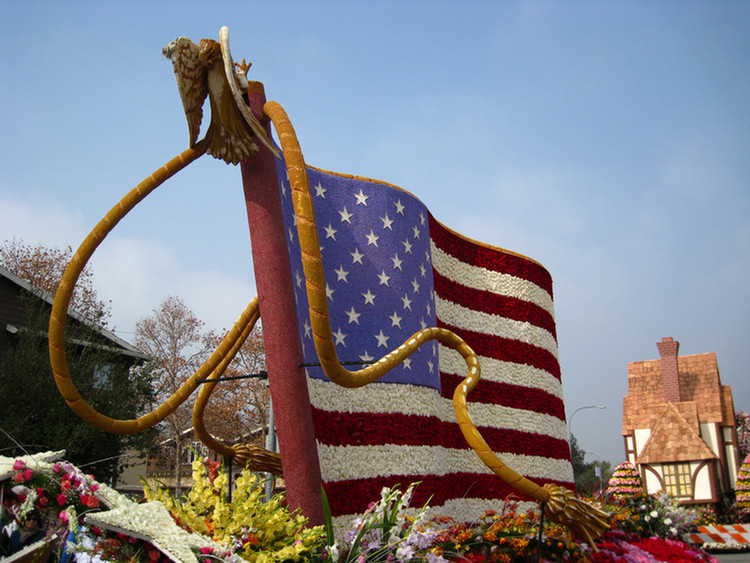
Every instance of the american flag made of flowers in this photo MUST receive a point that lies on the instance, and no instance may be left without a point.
(391, 269)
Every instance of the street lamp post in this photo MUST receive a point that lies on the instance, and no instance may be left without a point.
(598, 471)
(570, 421)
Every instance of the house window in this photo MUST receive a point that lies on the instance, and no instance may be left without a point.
(677, 480)
(102, 376)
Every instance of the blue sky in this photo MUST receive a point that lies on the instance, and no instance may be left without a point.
(609, 141)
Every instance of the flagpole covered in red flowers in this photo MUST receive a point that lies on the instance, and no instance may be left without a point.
(273, 278)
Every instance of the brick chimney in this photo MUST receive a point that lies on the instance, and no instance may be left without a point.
(668, 348)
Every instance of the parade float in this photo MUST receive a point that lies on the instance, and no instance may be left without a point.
(386, 462)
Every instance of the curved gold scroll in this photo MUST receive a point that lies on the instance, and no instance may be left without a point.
(212, 368)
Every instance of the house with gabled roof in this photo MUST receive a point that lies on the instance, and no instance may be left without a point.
(12, 318)
(679, 427)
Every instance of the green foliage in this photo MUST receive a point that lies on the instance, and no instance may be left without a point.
(586, 480)
(258, 531)
(34, 416)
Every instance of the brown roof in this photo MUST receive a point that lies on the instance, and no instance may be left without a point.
(675, 437)
(700, 385)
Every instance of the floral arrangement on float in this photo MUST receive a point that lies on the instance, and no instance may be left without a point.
(206, 524)
(742, 487)
(625, 481)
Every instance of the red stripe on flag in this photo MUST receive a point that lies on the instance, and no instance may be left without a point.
(373, 429)
(508, 350)
(344, 496)
(493, 304)
(485, 256)
(507, 395)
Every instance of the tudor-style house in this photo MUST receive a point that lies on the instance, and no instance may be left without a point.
(679, 427)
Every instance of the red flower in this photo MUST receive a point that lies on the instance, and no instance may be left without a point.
(153, 555)
(61, 499)
(40, 492)
(28, 474)
(92, 502)
(19, 464)
(65, 485)
(213, 470)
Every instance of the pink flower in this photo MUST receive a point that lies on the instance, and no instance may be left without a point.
(206, 550)
(61, 499)
(63, 516)
(94, 487)
(28, 474)
(56, 468)
(19, 464)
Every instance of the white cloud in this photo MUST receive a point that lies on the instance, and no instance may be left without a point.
(217, 299)
(133, 274)
(39, 221)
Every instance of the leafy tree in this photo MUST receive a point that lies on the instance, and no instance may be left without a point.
(239, 407)
(585, 474)
(173, 337)
(43, 267)
(176, 341)
(34, 417)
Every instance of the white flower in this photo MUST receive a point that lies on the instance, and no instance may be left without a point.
(667, 521)
(404, 552)
(654, 514)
